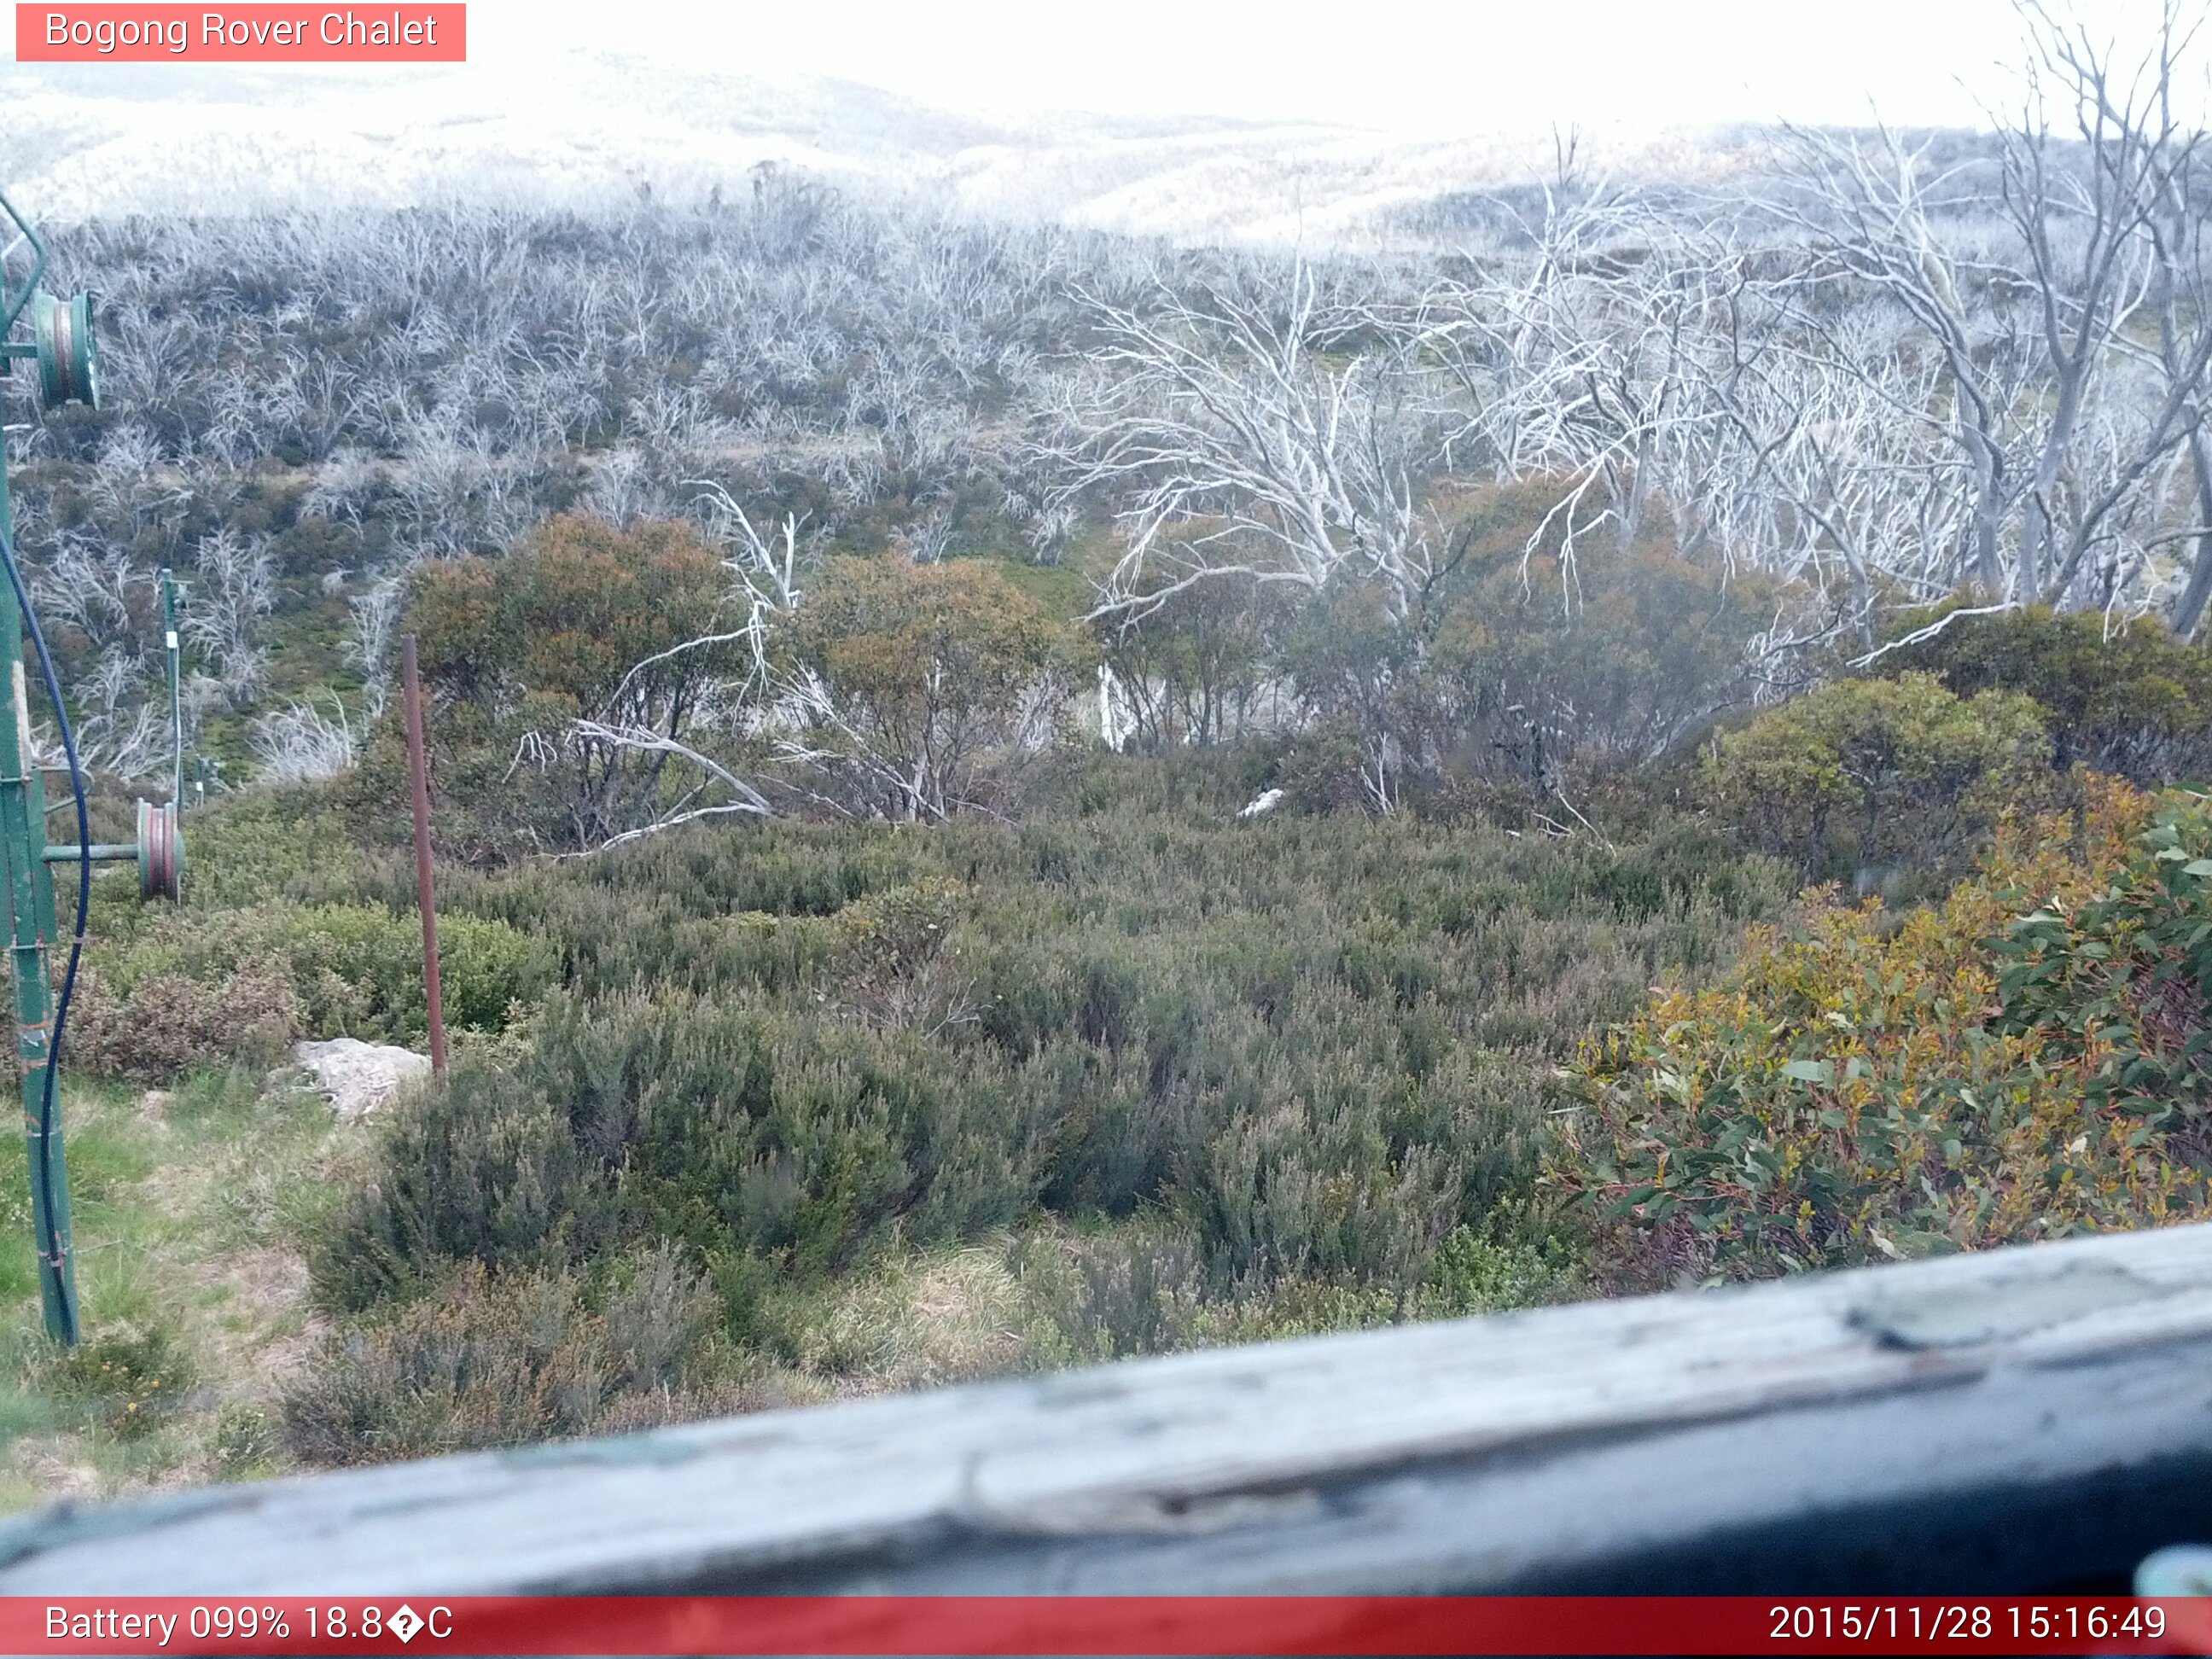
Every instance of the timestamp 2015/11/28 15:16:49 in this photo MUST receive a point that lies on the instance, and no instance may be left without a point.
(1968, 1621)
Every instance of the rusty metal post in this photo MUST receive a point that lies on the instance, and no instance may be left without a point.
(418, 777)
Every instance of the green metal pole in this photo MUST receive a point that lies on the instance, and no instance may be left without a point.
(31, 914)
(103, 852)
(176, 704)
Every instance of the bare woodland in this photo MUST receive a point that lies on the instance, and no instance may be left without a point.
(1881, 372)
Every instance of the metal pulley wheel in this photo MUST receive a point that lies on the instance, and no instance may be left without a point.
(68, 360)
(160, 852)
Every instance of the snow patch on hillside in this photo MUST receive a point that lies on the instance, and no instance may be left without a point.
(82, 139)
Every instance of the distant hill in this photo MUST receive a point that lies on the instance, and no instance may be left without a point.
(123, 138)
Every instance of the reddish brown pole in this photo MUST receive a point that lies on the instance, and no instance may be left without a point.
(418, 777)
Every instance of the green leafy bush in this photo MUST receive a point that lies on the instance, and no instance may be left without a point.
(2021, 1062)
(1477, 1271)
(482, 1168)
(1866, 779)
(184, 991)
(2128, 699)
(2118, 979)
(358, 968)
(892, 954)
(515, 649)
(935, 669)
(1197, 669)
(168, 1023)
(1521, 675)
(260, 844)
(803, 1141)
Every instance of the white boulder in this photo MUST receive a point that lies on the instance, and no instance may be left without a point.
(358, 1077)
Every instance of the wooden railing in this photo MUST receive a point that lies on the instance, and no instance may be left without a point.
(2028, 1420)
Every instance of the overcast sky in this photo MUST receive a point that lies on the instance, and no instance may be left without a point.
(1432, 66)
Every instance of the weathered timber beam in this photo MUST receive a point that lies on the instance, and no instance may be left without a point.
(2026, 1420)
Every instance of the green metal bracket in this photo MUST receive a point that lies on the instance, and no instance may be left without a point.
(68, 361)
(31, 930)
(10, 310)
(61, 340)
(31, 906)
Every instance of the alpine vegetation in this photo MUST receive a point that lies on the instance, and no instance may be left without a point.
(1008, 795)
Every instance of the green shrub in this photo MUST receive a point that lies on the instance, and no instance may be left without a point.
(1308, 1050)
(724, 1130)
(168, 1023)
(1863, 780)
(802, 1140)
(185, 990)
(482, 1168)
(1136, 1289)
(2125, 698)
(934, 669)
(2120, 979)
(1143, 1287)
(503, 1359)
(358, 968)
(1476, 1271)
(1519, 676)
(521, 645)
(260, 844)
(2021, 1062)
(890, 952)
(1197, 669)
(896, 933)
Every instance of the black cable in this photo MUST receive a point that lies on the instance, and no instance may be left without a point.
(53, 1240)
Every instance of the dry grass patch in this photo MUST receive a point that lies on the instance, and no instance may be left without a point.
(191, 1209)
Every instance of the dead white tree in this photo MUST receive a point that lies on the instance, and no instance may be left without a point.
(2033, 278)
(1270, 437)
(1865, 207)
(656, 716)
(376, 616)
(2172, 192)
(1581, 354)
(237, 588)
(301, 744)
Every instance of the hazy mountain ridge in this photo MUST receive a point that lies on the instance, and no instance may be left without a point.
(85, 139)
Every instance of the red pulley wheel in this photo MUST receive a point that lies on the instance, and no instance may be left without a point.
(160, 852)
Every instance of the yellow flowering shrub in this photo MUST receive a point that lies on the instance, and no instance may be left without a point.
(2019, 1062)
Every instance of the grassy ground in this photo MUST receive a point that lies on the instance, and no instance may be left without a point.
(192, 1207)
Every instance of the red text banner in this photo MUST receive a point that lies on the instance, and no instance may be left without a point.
(1011, 1625)
(127, 34)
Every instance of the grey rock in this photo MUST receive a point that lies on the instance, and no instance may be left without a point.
(358, 1077)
